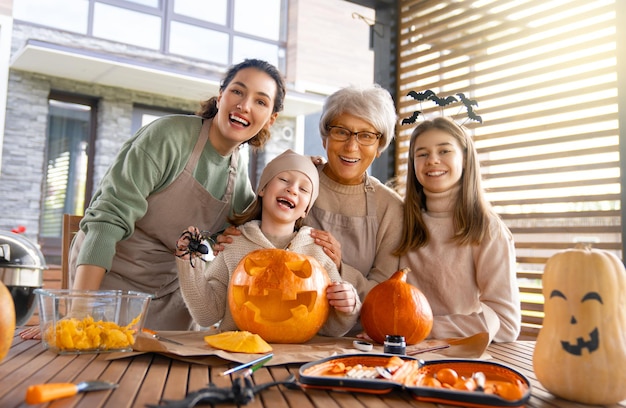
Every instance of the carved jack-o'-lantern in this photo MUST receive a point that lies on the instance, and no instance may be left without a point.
(580, 353)
(279, 295)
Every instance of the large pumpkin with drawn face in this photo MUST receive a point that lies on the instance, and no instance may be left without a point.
(279, 295)
(580, 353)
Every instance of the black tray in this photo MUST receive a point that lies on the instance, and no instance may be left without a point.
(492, 370)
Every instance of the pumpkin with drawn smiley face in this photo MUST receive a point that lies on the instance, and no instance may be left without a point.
(580, 353)
(279, 295)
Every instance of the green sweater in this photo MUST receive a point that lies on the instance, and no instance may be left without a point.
(146, 164)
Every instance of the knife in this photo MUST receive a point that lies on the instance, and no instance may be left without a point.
(36, 394)
(252, 365)
(160, 338)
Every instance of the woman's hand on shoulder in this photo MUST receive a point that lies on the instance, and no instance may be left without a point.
(225, 238)
(317, 160)
(329, 244)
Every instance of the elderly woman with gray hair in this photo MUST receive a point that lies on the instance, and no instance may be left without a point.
(357, 219)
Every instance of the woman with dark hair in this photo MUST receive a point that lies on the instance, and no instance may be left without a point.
(177, 171)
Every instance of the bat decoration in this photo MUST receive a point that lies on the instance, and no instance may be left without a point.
(411, 119)
(467, 102)
(422, 96)
(472, 115)
(442, 101)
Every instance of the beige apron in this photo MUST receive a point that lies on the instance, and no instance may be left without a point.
(145, 261)
(356, 234)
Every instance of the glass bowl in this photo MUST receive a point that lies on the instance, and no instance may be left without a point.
(84, 321)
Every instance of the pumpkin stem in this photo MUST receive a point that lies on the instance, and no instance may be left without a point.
(401, 274)
(584, 245)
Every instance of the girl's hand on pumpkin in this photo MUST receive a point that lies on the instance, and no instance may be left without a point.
(224, 238)
(364, 336)
(341, 296)
(329, 244)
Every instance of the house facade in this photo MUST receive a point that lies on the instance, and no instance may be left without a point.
(81, 76)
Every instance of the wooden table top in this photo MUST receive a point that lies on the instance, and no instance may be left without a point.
(148, 378)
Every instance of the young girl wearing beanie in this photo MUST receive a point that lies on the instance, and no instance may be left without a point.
(287, 190)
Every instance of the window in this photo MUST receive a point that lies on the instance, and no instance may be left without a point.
(71, 124)
(131, 27)
(269, 52)
(70, 15)
(545, 78)
(201, 43)
(214, 11)
(151, 3)
(142, 115)
(258, 18)
(218, 31)
(229, 31)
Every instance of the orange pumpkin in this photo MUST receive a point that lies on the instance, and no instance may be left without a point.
(398, 308)
(7, 320)
(580, 353)
(279, 295)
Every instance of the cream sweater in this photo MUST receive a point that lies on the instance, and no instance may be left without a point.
(205, 287)
(350, 201)
(470, 288)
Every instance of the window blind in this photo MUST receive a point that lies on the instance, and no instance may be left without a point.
(544, 74)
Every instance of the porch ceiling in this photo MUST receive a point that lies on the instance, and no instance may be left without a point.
(103, 69)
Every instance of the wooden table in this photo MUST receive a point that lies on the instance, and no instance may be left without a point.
(145, 379)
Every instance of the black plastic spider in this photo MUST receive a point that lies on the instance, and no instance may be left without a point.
(196, 247)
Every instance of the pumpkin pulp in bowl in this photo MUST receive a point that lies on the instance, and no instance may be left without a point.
(75, 322)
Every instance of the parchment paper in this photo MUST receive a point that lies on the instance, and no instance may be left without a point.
(196, 350)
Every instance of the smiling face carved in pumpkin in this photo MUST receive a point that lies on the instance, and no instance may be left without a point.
(584, 330)
(279, 295)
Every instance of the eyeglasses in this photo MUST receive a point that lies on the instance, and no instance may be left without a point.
(341, 134)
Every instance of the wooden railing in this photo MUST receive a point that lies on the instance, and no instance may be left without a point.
(531, 304)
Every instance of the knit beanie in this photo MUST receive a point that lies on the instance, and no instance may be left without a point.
(290, 160)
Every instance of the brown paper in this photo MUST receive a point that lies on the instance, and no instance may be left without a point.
(195, 349)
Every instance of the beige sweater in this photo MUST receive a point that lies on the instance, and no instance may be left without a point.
(350, 201)
(205, 287)
(470, 288)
